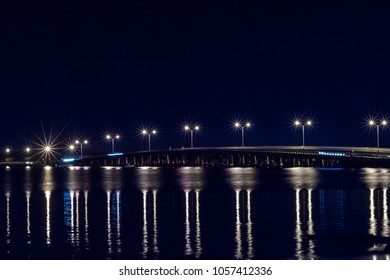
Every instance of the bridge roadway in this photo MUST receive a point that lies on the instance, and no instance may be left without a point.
(257, 156)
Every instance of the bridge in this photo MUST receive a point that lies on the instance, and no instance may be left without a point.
(255, 156)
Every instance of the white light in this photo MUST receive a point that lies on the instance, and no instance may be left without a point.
(77, 142)
(248, 124)
(47, 149)
(154, 131)
(47, 167)
(8, 150)
(117, 136)
(197, 127)
(144, 132)
(309, 122)
(187, 127)
(371, 122)
(237, 124)
(28, 150)
(85, 141)
(108, 136)
(297, 123)
(384, 122)
(71, 147)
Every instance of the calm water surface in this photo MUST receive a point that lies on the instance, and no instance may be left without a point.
(194, 213)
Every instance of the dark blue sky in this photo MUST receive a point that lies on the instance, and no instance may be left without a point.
(96, 66)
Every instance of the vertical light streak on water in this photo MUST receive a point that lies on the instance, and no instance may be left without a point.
(28, 198)
(72, 235)
(155, 228)
(77, 220)
(310, 226)
(86, 220)
(145, 226)
(388, 257)
(28, 187)
(48, 229)
(238, 251)
(8, 226)
(298, 227)
(372, 221)
(198, 238)
(249, 225)
(188, 248)
(118, 222)
(385, 221)
(109, 241)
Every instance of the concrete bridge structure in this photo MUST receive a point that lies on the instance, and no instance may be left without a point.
(257, 156)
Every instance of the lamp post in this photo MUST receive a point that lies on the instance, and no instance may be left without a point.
(112, 138)
(85, 142)
(7, 154)
(47, 152)
(145, 132)
(242, 126)
(377, 125)
(28, 152)
(303, 125)
(191, 130)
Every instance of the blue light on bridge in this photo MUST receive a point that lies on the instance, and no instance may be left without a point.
(68, 160)
(331, 154)
(29, 163)
(115, 154)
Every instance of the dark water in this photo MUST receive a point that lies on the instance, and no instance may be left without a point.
(190, 213)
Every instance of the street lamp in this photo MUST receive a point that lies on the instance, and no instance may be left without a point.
(145, 132)
(377, 124)
(303, 125)
(191, 129)
(28, 152)
(85, 142)
(242, 126)
(112, 138)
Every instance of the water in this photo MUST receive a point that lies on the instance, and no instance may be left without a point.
(194, 213)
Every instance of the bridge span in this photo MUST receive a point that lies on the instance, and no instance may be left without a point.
(256, 156)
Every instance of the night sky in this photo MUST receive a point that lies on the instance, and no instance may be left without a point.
(87, 68)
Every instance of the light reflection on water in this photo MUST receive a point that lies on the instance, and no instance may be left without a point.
(148, 181)
(324, 210)
(192, 181)
(378, 181)
(146, 248)
(8, 228)
(47, 187)
(243, 180)
(145, 239)
(86, 222)
(304, 181)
